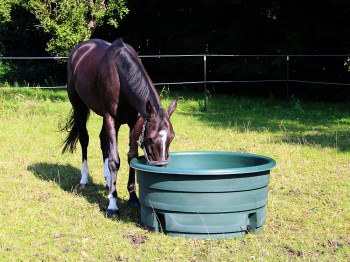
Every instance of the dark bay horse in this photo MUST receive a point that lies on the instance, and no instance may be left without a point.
(110, 80)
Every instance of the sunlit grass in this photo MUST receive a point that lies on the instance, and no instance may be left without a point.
(44, 216)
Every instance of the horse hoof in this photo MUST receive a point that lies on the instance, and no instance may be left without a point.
(133, 202)
(111, 213)
(82, 186)
(107, 188)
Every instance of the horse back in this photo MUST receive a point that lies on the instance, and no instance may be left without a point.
(87, 55)
(84, 66)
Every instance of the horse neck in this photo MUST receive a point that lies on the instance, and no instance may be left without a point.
(136, 83)
(140, 102)
(139, 94)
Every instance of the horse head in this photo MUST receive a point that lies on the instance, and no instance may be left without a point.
(157, 134)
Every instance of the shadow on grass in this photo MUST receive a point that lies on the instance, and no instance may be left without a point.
(67, 176)
(313, 124)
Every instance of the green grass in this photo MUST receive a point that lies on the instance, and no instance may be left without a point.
(44, 216)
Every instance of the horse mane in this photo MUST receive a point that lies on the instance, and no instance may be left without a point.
(132, 72)
(118, 43)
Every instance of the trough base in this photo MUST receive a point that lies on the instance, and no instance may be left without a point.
(204, 225)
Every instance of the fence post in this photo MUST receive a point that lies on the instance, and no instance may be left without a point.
(205, 83)
(287, 78)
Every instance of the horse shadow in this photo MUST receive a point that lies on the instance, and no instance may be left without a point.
(67, 176)
(291, 129)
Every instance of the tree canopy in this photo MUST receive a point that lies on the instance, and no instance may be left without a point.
(67, 22)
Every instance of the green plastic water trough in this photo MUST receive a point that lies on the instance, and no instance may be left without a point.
(204, 194)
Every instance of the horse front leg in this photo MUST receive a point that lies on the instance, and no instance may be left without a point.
(113, 165)
(84, 142)
(105, 156)
(135, 132)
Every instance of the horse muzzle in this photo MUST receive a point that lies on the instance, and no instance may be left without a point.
(161, 163)
(151, 162)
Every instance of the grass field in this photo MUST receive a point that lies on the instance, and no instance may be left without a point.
(44, 216)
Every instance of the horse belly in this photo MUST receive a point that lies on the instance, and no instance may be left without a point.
(126, 113)
(84, 84)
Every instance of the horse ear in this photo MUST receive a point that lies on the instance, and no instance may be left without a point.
(172, 107)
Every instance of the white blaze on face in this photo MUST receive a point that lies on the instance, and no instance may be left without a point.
(163, 136)
(84, 173)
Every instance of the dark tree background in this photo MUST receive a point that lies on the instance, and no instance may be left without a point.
(244, 27)
(252, 27)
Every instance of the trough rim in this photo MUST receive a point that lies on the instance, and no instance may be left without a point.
(139, 164)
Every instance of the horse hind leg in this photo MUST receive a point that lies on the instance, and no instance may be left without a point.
(84, 143)
(104, 148)
(76, 126)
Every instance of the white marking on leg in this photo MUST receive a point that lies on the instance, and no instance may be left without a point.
(84, 173)
(163, 137)
(106, 173)
(112, 205)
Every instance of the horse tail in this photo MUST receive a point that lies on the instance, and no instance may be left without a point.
(76, 123)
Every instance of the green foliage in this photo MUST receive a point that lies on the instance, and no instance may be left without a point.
(5, 9)
(4, 68)
(71, 21)
(30, 26)
(165, 92)
(68, 21)
(295, 105)
(65, 20)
